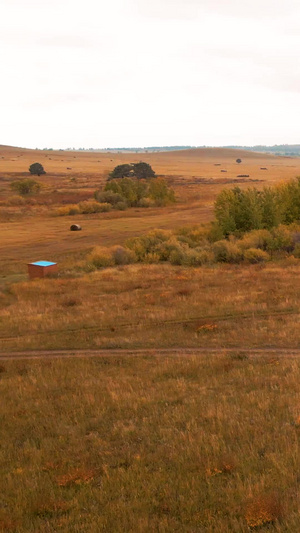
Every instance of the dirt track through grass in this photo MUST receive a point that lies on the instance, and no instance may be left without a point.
(178, 352)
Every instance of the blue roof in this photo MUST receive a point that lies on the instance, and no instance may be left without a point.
(43, 263)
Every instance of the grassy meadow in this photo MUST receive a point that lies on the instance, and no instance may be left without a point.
(142, 444)
(152, 306)
(192, 441)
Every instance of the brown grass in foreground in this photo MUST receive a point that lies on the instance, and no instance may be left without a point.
(146, 444)
(153, 306)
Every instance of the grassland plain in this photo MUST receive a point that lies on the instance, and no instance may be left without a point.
(136, 444)
(29, 230)
(141, 444)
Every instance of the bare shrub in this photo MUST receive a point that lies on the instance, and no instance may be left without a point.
(122, 256)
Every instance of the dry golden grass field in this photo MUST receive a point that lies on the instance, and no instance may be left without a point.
(201, 439)
(151, 444)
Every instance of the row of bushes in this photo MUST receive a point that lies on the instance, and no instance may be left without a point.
(192, 247)
(239, 211)
(127, 192)
(85, 208)
(121, 194)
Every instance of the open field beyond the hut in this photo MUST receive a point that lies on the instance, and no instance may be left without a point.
(201, 442)
(30, 231)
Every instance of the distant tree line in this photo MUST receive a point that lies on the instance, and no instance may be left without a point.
(277, 149)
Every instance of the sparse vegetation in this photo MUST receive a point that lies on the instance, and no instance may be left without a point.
(204, 441)
(85, 207)
(26, 187)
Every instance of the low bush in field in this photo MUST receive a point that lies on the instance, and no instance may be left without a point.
(192, 247)
(71, 209)
(255, 255)
(26, 186)
(227, 252)
(260, 238)
(105, 257)
(89, 207)
(16, 200)
(101, 257)
(122, 256)
(109, 197)
(85, 207)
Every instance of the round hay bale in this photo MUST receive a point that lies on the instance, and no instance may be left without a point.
(75, 227)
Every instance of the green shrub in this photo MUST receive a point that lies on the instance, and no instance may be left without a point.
(149, 243)
(120, 206)
(108, 197)
(146, 202)
(227, 252)
(131, 191)
(161, 193)
(296, 251)
(281, 240)
(256, 239)
(256, 255)
(101, 257)
(151, 257)
(89, 207)
(177, 256)
(193, 236)
(26, 186)
(197, 257)
(71, 209)
(165, 248)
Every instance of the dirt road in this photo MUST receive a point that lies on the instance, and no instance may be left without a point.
(179, 352)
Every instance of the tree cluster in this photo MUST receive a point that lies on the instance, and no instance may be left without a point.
(139, 170)
(129, 192)
(239, 211)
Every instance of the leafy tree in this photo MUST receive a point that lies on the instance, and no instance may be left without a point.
(37, 169)
(238, 160)
(270, 208)
(109, 197)
(160, 192)
(121, 171)
(289, 201)
(134, 170)
(143, 171)
(225, 208)
(131, 190)
(26, 186)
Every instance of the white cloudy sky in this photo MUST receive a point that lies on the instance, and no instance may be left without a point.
(95, 73)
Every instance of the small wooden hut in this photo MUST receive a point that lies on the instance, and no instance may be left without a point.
(41, 269)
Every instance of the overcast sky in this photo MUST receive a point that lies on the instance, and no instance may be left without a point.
(95, 73)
